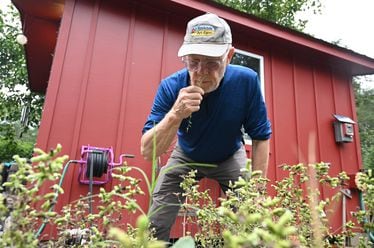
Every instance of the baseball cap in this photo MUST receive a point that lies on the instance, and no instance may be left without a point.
(207, 35)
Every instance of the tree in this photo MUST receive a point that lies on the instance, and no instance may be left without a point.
(20, 109)
(365, 115)
(282, 12)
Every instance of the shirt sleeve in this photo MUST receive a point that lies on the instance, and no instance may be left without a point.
(164, 100)
(257, 124)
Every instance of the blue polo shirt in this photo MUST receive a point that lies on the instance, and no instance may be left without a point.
(215, 133)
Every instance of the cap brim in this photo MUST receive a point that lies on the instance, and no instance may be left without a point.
(211, 50)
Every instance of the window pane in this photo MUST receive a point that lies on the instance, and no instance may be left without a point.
(248, 61)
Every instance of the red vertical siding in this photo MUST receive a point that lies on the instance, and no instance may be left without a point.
(342, 97)
(105, 72)
(109, 59)
(284, 128)
(304, 97)
(349, 155)
(307, 130)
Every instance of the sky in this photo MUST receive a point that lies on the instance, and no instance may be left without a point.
(348, 21)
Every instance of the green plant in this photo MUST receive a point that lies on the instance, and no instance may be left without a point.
(23, 195)
(20, 108)
(11, 144)
(249, 217)
(26, 210)
(246, 217)
(365, 183)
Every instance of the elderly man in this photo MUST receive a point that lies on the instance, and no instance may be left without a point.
(206, 105)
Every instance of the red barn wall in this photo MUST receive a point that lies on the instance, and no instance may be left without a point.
(110, 57)
(304, 96)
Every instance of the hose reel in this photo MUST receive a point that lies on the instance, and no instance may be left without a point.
(98, 161)
(95, 168)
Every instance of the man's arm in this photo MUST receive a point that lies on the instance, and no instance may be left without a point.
(260, 156)
(164, 133)
(188, 101)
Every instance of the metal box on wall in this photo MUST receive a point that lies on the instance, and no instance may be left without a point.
(343, 129)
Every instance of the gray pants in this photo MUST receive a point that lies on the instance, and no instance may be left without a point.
(167, 195)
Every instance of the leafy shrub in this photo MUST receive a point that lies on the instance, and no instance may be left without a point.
(246, 217)
(249, 217)
(11, 144)
(365, 183)
(20, 215)
(30, 210)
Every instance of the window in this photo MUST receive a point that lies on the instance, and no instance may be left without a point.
(256, 63)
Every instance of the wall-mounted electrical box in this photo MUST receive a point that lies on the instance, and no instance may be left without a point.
(343, 128)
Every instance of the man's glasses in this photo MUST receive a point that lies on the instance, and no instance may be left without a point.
(194, 65)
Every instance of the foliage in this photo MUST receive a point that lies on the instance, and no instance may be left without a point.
(365, 183)
(25, 209)
(22, 193)
(107, 216)
(365, 115)
(247, 217)
(282, 12)
(15, 98)
(10, 144)
(13, 73)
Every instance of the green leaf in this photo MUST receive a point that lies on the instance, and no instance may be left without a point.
(185, 242)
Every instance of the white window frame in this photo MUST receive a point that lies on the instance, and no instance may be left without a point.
(261, 73)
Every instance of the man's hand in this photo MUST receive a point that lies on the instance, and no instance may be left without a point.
(188, 101)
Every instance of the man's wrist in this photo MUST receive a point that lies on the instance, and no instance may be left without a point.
(173, 118)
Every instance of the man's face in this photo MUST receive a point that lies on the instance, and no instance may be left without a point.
(207, 72)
